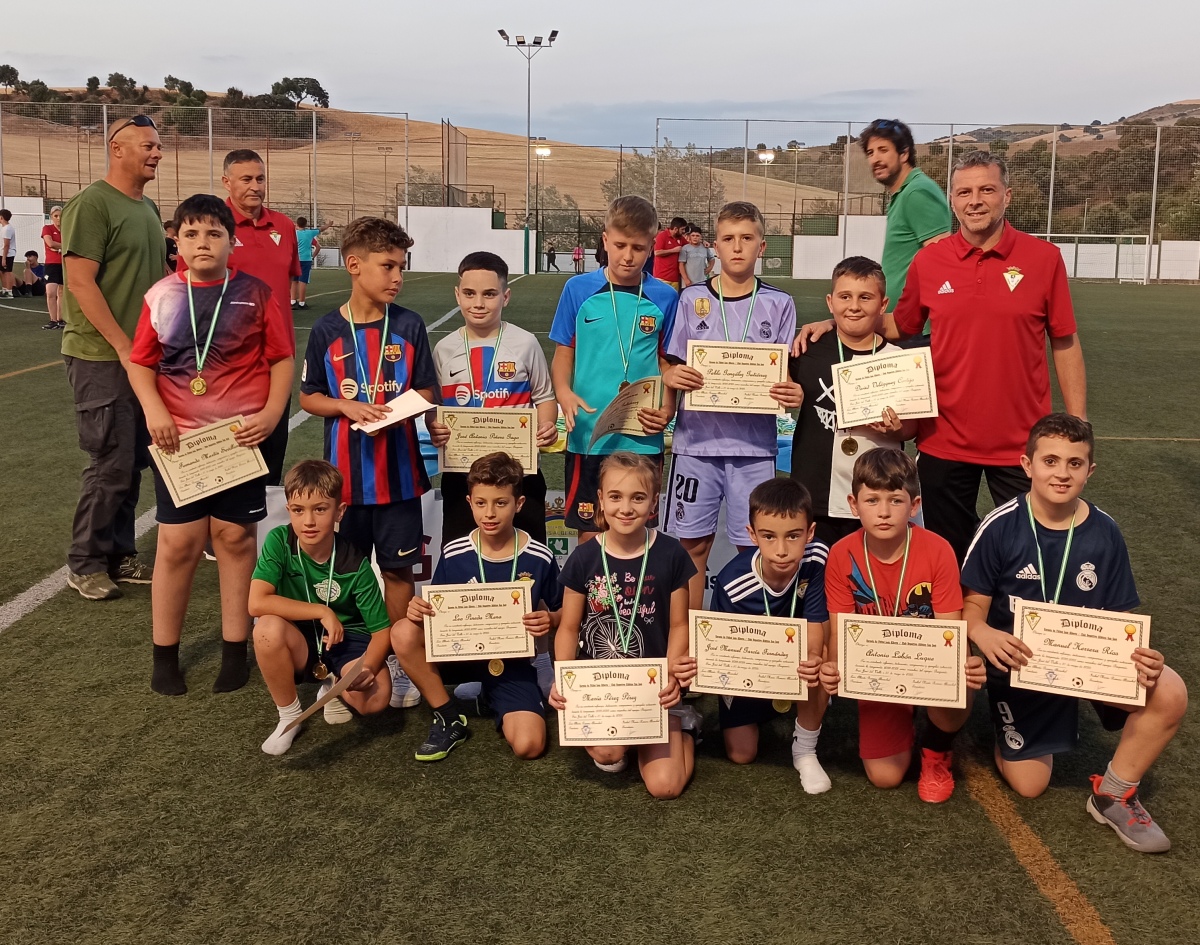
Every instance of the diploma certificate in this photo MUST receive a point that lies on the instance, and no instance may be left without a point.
(620, 416)
(408, 404)
(1080, 652)
(612, 702)
(902, 659)
(738, 376)
(742, 655)
(477, 431)
(902, 380)
(209, 460)
(476, 621)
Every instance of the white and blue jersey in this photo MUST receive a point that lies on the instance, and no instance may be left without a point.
(459, 564)
(740, 589)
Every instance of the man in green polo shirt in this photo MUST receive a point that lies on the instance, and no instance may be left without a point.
(918, 213)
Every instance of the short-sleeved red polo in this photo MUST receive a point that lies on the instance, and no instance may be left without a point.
(666, 267)
(989, 315)
(266, 249)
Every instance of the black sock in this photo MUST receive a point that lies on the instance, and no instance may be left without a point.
(167, 680)
(234, 673)
(935, 739)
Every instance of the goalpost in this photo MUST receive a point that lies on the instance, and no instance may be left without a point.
(1104, 257)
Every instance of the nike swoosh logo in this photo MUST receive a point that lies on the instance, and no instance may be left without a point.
(456, 373)
(588, 321)
(405, 554)
(343, 357)
(256, 511)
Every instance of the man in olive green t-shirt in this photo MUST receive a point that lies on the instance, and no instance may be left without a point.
(113, 250)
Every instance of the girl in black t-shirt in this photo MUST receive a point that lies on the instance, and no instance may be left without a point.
(625, 596)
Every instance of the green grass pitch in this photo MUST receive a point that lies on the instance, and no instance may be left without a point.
(128, 817)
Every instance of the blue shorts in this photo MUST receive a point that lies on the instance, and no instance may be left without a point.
(697, 485)
(241, 505)
(305, 271)
(1030, 724)
(514, 690)
(393, 531)
(736, 711)
(336, 658)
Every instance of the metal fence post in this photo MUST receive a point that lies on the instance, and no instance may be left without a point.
(212, 184)
(2, 154)
(314, 170)
(846, 191)
(406, 171)
(654, 179)
(104, 122)
(1050, 204)
(949, 162)
(746, 159)
(1153, 201)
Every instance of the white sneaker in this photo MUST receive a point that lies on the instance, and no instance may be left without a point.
(404, 694)
(335, 710)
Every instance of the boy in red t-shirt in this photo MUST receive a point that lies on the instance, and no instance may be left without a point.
(667, 245)
(892, 567)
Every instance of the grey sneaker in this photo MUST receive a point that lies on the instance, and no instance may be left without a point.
(98, 586)
(404, 694)
(1128, 818)
(132, 571)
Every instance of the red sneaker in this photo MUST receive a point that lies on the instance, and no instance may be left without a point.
(936, 783)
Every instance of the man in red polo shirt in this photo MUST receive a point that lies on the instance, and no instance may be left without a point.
(991, 295)
(264, 245)
(666, 252)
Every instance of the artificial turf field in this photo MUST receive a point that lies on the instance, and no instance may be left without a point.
(129, 817)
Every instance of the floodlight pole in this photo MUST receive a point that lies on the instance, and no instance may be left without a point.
(1153, 205)
(528, 50)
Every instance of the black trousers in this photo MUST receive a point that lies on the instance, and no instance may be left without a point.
(950, 492)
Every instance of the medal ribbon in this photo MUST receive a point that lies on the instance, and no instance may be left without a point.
(1062, 571)
(328, 588)
(766, 602)
(749, 315)
(612, 295)
(477, 541)
(625, 632)
(491, 375)
(903, 569)
(202, 356)
(360, 366)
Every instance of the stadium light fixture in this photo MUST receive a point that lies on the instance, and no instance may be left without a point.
(520, 40)
(542, 153)
(537, 40)
(503, 35)
(553, 36)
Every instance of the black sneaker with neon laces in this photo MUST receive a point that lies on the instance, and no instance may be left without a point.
(446, 732)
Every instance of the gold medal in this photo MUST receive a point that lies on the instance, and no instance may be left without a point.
(622, 385)
(199, 387)
(320, 670)
(781, 705)
(849, 446)
(496, 667)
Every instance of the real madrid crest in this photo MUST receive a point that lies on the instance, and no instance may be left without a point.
(1086, 579)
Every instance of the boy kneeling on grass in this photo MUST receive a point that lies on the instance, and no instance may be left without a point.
(319, 607)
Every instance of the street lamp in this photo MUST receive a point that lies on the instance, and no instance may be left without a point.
(766, 157)
(528, 50)
(385, 151)
(353, 136)
(542, 153)
(797, 148)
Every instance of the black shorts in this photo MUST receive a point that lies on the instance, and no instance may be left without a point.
(736, 711)
(582, 474)
(336, 658)
(393, 531)
(1030, 724)
(514, 690)
(54, 273)
(6, 264)
(458, 521)
(242, 505)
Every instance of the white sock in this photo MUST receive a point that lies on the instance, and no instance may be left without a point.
(813, 778)
(335, 710)
(280, 741)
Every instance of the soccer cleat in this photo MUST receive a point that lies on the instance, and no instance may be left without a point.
(404, 694)
(444, 735)
(936, 783)
(294, 303)
(1128, 818)
(50, 326)
(132, 571)
(98, 586)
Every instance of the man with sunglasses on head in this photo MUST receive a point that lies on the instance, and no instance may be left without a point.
(113, 251)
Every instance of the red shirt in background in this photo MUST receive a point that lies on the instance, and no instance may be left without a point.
(53, 256)
(666, 267)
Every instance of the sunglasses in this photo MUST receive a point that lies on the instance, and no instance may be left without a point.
(138, 121)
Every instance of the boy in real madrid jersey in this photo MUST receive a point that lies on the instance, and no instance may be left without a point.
(360, 356)
(1051, 545)
(491, 363)
(719, 456)
(495, 552)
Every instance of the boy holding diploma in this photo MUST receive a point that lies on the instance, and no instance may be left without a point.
(1053, 546)
(360, 356)
(892, 567)
(783, 575)
(211, 344)
(491, 363)
(495, 552)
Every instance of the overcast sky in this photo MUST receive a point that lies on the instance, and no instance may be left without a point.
(618, 66)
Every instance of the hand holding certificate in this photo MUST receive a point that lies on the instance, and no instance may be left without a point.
(477, 431)
(408, 404)
(906, 660)
(612, 702)
(903, 380)
(620, 416)
(477, 621)
(1080, 652)
(740, 655)
(209, 460)
(738, 376)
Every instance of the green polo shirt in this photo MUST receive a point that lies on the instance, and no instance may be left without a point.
(917, 211)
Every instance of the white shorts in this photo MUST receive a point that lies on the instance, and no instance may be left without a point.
(697, 485)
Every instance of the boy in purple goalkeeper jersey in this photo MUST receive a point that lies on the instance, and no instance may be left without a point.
(724, 455)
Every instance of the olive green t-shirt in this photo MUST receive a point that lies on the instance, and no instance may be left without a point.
(125, 236)
(918, 211)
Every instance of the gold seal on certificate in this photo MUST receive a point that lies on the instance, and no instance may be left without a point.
(612, 702)
(738, 376)
(477, 431)
(620, 416)
(742, 655)
(209, 460)
(1080, 652)
(903, 380)
(477, 622)
(906, 660)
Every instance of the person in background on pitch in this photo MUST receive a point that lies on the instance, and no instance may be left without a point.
(8, 253)
(33, 279)
(52, 239)
(308, 245)
(667, 245)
